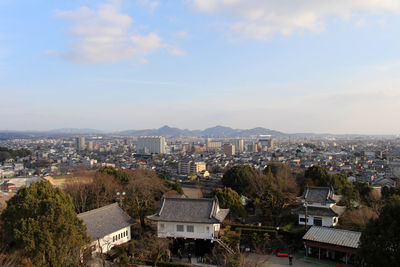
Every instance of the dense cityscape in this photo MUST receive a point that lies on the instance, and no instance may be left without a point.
(369, 159)
(205, 133)
(179, 169)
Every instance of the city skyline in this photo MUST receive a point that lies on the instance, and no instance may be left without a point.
(119, 65)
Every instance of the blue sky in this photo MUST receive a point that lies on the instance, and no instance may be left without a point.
(293, 66)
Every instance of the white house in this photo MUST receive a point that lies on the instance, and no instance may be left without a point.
(320, 204)
(189, 218)
(107, 226)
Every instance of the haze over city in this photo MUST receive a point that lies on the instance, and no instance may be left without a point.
(200, 133)
(118, 65)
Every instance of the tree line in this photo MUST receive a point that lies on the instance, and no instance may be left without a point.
(6, 153)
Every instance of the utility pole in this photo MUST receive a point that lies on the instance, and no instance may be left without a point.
(306, 205)
(120, 197)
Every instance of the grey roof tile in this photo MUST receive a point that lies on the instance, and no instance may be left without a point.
(200, 210)
(105, 220)
(315, 211)
(318, 194)
(333, 236)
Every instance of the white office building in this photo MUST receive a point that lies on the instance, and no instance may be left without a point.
(151, 145)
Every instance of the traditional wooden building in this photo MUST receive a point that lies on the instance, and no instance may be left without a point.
(189, 218)
(320, 204)
(107, 226)
(331, 244)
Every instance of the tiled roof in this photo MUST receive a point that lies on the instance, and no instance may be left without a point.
(315, 211)
(333, 236)
(105, 220)
(318, 194)
(200, 210)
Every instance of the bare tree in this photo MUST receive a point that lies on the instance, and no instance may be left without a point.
(357, 219)
(143, 194)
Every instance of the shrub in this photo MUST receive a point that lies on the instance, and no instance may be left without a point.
(235, 226)
(259, 232)
(165, 264)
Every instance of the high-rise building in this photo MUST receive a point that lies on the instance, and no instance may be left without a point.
(90, 145)
(252, 147)
(213, 145)
(151, 144)
(266, 143)
(191, 167)
(80, 143)
(197, 166)
(239, 145)
(229, 149)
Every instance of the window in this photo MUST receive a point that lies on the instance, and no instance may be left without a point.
(190, 228)
(162, 226)
(334, 220)
(303, 219)
(208, 229)
(126, 232)
(317, 221)
(119, 236)
(113, 238)
(180, 228)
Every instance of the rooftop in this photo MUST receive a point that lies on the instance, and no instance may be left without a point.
(319, 211)
(200, 210)
(319, 194)
(333, 236)
(105, 220)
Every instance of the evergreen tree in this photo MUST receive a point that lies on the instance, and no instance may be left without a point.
(239, 178)
(42, 223)
(229, 199)
(380, 242)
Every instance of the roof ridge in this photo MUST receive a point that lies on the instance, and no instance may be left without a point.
(336, 229)
(196, 199)
(99, 209)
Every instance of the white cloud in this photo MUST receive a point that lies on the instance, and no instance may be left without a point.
(104, 34)
(176, 51)
(182, 35)
(151, 4)
(259, 19)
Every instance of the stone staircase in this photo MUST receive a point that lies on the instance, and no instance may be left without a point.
(226, 247)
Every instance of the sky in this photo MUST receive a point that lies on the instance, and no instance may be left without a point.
(295, 66)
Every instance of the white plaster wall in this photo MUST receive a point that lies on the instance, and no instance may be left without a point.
(104, 244)
(326, 221)
(200, 230)
(318, 205)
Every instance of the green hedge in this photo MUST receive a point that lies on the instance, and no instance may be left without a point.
(248, 231)
(294, 234)
(165, 264)
(246, 226)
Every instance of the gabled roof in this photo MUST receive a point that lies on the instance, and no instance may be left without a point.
(105, 220)
(319, 194)
(194, 210)
(333, 236)
(334, 211)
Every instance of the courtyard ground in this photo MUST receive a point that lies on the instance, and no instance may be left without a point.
(256, 260)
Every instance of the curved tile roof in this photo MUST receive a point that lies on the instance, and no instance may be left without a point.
(194, 210)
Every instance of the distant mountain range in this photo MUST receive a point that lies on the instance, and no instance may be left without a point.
(166, 131)
(76, 131)
(217, 131)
